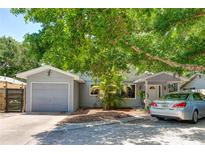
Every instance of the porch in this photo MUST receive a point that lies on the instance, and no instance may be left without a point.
(154, 86)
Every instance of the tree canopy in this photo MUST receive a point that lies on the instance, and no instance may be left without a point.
(14, 57)
(106, 42)
(95, 39)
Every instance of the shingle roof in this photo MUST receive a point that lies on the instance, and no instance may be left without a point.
(148, 76)
(142, 77)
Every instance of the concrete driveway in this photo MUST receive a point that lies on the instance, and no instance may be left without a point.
(145, 130)
(17, 128)
(41, 129)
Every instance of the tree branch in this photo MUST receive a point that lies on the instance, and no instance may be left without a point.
(171, 63)
(191, 18)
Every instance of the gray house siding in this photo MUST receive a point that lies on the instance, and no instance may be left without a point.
(86, 100)
(54, 77)
(27, 106)
(76, 95)
(131, 102)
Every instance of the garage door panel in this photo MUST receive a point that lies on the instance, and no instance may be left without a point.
(49, 86)
(49, 97)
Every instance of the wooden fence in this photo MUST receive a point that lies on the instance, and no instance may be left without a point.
(12, 100)
(4, 85)
(2, 100)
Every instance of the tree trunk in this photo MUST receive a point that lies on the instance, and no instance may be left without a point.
(171, 63)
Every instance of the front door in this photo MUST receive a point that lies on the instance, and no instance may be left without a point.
(153, 91)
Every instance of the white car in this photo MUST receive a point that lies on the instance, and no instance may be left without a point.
(182, 105)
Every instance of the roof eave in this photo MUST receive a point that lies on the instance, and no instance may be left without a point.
(80, 81)
(25, 75)
(21, 76)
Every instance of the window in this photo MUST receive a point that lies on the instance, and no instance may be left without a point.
(152, 88)
(128, 91)
(172, 87)
(94, 91)
(197, 97)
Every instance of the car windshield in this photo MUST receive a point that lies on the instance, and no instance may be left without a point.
(176, 96)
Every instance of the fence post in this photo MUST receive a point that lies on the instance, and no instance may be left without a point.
(6, 99)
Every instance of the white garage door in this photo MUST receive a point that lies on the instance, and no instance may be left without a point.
(49, 97)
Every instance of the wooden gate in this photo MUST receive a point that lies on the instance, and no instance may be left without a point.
(2, 100)
(14, 100)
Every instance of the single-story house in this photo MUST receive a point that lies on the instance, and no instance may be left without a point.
(50, 89)
(195, 83)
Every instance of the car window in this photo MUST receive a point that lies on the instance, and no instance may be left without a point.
(190, 98)
(197, 97)
(176, 96)
(202, 96)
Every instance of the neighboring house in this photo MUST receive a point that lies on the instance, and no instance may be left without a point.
(156, 85)
(7, 82)
(52, 90)
(195, 83)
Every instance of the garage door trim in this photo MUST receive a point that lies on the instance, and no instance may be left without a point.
(31, 92)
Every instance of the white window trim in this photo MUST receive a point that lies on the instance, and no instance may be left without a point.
(128, 98)
(50, 83)
(92, 95)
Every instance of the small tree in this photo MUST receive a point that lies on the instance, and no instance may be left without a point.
(110, 86)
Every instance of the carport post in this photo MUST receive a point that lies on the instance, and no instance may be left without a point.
(178, 86)
(146, 83)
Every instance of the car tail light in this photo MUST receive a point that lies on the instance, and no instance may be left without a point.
(180, 105)
(153, 104)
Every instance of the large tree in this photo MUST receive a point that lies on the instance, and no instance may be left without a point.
(172, 37)
(14, 57)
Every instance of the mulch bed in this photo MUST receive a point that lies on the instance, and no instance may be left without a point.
(91, 115)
